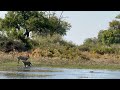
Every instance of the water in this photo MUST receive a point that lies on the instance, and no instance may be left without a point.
(59, 73)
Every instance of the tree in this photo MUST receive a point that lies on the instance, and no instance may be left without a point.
(91, 41)
(35, 21)
(57, 26)
(114, 25)
(112, 34)
(109, 36)
(17, 25)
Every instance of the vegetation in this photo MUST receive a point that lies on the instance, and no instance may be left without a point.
(17, 26)
(39, 34)
(107, 41)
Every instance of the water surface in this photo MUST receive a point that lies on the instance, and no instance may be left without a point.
(59, 73)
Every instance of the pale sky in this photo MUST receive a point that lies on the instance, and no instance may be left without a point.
(85, 24)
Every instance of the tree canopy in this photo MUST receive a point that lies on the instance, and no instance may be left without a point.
(108, 36)
(112, 34)
(19, 24)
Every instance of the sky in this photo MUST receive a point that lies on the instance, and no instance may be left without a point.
(85, 24)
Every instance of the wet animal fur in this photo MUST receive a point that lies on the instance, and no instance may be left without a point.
(23, 58)
(27, 63)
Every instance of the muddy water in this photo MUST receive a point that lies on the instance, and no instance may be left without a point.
(59, 73)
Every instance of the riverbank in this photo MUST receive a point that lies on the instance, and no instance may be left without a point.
(52, 62)
(96, 61)
(11, 66)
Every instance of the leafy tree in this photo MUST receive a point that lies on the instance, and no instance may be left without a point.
(17, 25)
(35, 21)
(114, 24)
(100, 35)
(109, 36)
(112, 34)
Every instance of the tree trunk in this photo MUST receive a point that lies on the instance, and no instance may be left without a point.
(27, 33)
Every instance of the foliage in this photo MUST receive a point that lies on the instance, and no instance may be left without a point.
(114, 25)
(34, 21)
(91, 41)
(7, 45)
(17, 25)
(103, 50)
(107, 41)
(109, 36)
(112, 34)
(55, 46)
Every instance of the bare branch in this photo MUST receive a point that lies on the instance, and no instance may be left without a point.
(59, 20)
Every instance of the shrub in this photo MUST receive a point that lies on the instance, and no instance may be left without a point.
(84, 48)
(104, 50)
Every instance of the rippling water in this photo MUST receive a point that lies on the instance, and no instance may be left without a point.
(59, 73)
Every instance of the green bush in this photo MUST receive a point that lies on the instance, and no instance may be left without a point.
(84, 48)
(104, 50)
(8, 44)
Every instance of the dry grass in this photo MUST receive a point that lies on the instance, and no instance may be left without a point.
(95, 61)
(103, 59)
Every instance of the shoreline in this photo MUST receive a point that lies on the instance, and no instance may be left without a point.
(96, 61)
(13, 66)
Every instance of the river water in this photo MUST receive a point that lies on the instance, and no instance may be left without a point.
(59, 73)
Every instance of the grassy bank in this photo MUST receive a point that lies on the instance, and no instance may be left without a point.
(9, 61)
(56, 52)
(13, 66)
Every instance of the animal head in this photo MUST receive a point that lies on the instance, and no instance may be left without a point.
(28, 55)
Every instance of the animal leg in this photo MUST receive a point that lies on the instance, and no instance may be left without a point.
(18, 61)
